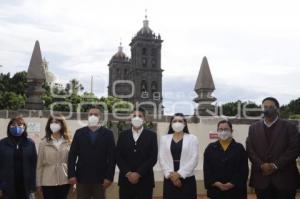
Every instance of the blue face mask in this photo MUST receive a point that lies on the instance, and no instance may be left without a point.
(16, 131)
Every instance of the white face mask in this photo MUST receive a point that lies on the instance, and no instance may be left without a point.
(224, 135)
(137, 122)
(177, 126)
(93, 120)
(55, 127)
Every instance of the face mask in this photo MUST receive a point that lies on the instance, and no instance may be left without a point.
(16, 131)
(55, 127)
(93, 120)
(137, 122)
(178, 126)
(270, 112)
(224, 135)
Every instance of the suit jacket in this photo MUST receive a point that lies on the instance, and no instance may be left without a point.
(137, 157)
(226, 166)
(282, 150)
(96, 160)
(189, 155)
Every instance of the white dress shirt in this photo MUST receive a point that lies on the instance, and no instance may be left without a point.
(271, 124)
(136, 134)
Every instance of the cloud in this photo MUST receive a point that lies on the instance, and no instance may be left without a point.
(252, 47)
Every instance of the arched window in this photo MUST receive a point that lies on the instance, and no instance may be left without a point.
(154, 87)
(144, 62)
(144, 51)
(144, 86)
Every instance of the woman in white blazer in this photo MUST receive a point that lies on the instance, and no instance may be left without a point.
(178, 158)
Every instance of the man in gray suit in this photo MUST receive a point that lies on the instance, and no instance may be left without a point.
(273, 146)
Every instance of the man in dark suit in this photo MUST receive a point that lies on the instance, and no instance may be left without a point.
(136, 156)
(91, 163)
(272, 146)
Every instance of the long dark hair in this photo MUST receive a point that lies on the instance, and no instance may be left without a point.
(64, 131)
(185, 130)
(19, 120)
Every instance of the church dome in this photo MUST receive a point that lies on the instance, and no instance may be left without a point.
(145, 30)
(120, 54)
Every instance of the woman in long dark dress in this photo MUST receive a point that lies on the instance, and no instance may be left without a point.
(17, 161)
(178, 157)
(225, 166)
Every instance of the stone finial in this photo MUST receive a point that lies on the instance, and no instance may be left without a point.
(204, 80)
(204, 88)
(36, 69)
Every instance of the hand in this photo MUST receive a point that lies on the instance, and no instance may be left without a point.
(221, 186)
(74, 187)
(228, 186)
(134, 177)
(267, 169)
(73, 180)
(174, 176)
(106, 183)
(177, 183)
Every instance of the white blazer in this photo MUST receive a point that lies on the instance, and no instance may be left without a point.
(189, 155)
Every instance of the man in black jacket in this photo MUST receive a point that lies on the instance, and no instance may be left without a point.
(273, 147)
(91, 163)
(136, 156)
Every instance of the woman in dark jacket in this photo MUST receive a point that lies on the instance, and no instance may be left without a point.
(17, 161)
(225, 166)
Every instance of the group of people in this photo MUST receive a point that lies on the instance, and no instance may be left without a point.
(86, 163)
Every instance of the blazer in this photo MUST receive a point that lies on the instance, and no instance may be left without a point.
(29, 158)
(189, 155)
(137, 157)
(226, 166)
(92, 162)
(52, 169)
(282, 150)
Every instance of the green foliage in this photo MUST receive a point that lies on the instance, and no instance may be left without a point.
(13, 91)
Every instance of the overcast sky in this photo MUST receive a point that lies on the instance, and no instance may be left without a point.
(253, 47)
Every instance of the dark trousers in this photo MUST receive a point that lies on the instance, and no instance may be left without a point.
(57, 192)
(88, 191)
(135, 192)
(273, 193)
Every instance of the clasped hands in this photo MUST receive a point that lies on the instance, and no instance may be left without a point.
(133, 177)
(223, 186)
(175, 178)
(268, 168)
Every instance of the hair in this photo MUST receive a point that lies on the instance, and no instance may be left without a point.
(95, 107)
(273, 99)
(64, 131)
(139, 109)
(185, 130)
(18, 120)
(225, 122)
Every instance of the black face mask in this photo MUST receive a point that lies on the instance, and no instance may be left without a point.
(270, 112)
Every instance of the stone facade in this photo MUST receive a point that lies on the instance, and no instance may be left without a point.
(139, 79)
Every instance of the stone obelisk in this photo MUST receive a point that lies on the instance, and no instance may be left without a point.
(204, 88)
(36, 78)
